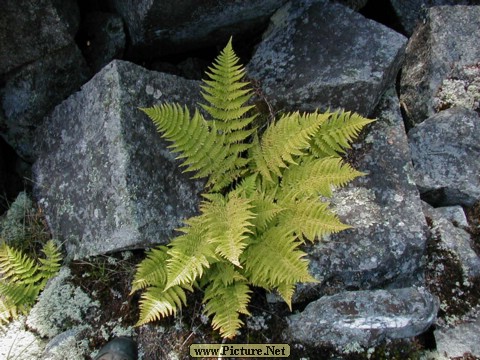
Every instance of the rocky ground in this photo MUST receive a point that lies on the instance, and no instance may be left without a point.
(403, 283)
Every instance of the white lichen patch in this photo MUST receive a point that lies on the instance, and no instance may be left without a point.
(461, 88)
(60, 306)
(18, 343)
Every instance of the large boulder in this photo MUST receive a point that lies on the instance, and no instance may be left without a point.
(363, 318)
(387, 241)
(30, 92)
(105, 179)
(318, 54)
(31, 29)
(447, 41)
(40, 65)
(162, 27)
(411, 13)
(445, 154)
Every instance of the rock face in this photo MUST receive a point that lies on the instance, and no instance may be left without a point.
(318, 54)
(412, 12)
(161, 27)
(363, 317)
(447, 40)
(445, 154)
(463, 338)
(387, 241)
(38, 69)
(104, 178)
(455, 241)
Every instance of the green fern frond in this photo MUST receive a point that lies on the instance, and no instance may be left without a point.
(156, 303)
(228, 223)
(189, 254)
(21, 279)
(226, 303)
(286, 291)
(336, 134)
(152, 270)
(266, 209)
(287, 139)
(50, 265)
(318, 176)
(311, 218)
(275, 259)
(192, 137)
(226, 94)
(15, 266)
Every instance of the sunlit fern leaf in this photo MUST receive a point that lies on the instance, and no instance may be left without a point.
(317, 176)
(228, 222)
(156, 303)
(15, 266)
(286, 291)
(336, 134)
(266, 208)
(225, 93)
(152, 270)
(275, 259)
(192, 137)
(189, 254)
(50, 265)
(226, 304)
(311, 218)
(286, 139)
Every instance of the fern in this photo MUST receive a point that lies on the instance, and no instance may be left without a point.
(22, 278)
(262, 199)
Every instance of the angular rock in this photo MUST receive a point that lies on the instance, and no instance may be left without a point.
(103, 39)
(318, 54)
(445, 154)
(460, 88)
(463, 338)
(104, 178)
(447, 39)
(454, 214)
(30, 92)
(454, 240)
(386, 243)
(412, 12)
(28, 31)
(161, 27)
(365, 318)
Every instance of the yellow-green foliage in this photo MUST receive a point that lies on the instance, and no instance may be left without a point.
(262, 199)
(22, 278)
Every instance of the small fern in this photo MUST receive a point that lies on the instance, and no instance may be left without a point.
(22, 278)
(262, 199)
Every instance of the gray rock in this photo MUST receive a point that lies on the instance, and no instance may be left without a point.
(364, 318)
(28, 31)
(388, 236)
(445, 154)
(161, 27)
(454, 240)
(104, 178)
(412, 12)
(447, 39)
(30, 92)
(462, 338)
(454, 214)
(317, 54)
(104, 39)
(460, 88)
